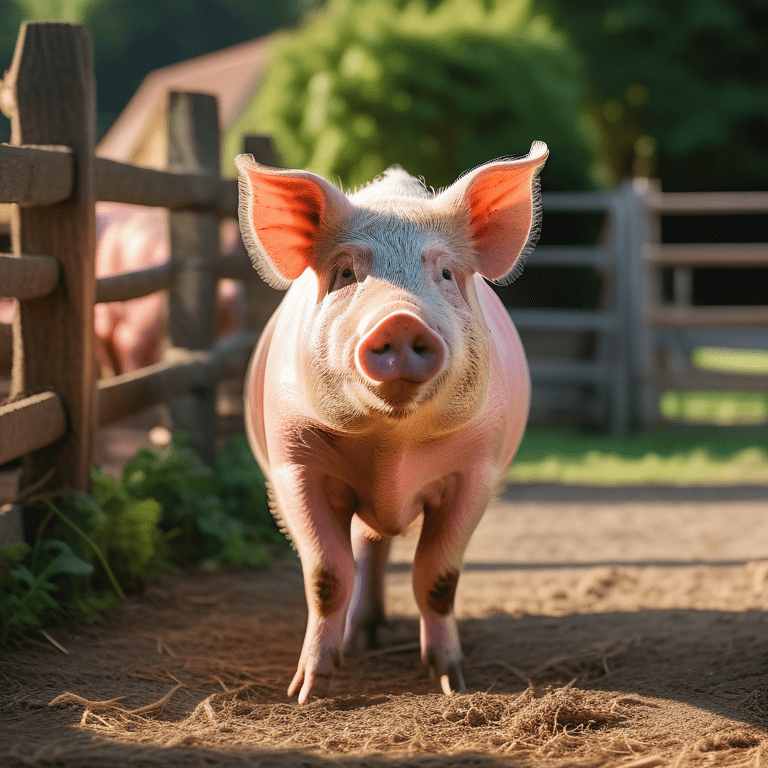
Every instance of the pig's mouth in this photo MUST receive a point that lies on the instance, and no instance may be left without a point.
(399, 393)
(401, 398)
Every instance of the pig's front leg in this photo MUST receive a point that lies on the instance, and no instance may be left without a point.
(321, 533)
(444, 537)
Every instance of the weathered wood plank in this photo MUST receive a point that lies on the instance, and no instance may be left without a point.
(51, 86)
(569, 256)
(571, 372)
(132, 285)
(36, 175)
(562, 319)
(708, 380)
(30, 424)
(182, 371)
(708, 317)
(28, 277)
(583, 202)
(122, 183)
(708, 203)
(193, 147)
(709, 255)
(129, 393)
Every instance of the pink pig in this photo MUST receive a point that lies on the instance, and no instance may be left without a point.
(390, 383)
(130, 334)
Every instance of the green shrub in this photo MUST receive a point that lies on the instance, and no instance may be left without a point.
(680, 89)
(168, 510)
(368, 83)
(28, 582)
(211, 515)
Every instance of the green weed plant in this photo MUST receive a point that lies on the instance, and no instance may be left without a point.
(167, 511)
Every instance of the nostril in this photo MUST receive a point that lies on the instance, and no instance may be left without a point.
(401, 346)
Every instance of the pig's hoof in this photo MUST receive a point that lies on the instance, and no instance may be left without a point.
(446, 672)
(362, 637)
(309, 685)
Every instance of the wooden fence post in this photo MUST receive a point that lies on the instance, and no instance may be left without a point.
(620, 376)
(194, 147)
(53, 101)
(634, 194)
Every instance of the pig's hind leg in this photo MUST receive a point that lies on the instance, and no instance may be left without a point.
(366, 609)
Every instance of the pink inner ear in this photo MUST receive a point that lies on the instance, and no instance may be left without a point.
(501, 210)
(287, 212)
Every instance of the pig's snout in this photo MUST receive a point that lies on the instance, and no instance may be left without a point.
(400, 346)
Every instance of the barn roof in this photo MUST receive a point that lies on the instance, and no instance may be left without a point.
(232, 74)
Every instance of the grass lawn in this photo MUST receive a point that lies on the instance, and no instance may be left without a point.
(721, 407)
(672, 456)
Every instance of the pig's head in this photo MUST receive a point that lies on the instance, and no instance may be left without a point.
(394, 327)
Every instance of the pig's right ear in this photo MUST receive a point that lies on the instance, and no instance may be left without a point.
(281, 213)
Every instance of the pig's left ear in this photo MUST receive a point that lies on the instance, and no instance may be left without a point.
(501, 203)
(281, 214)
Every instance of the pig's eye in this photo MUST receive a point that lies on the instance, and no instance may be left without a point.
(344, 276)
(447, 273)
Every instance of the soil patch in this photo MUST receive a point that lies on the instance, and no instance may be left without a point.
(600, 628)
(595, 634)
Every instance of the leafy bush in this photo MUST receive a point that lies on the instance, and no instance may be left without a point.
(680, 88)
(210, 515)
(169, 510)
(369, 83)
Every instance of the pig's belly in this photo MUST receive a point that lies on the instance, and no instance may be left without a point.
(383, 518)
(386, 507)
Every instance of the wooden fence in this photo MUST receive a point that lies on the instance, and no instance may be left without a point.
(51, 173)
(668, 325)
(591, 386)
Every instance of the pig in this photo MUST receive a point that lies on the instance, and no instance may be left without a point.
(389, 384)
(129, 334)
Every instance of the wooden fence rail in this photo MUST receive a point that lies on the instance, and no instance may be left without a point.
(38, 175)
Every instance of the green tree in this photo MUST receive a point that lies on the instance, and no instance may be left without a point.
(75, 11)
(368, 83)
(680, 88)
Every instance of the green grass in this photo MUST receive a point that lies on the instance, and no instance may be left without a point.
(712, 407)
(673, 456)
(730, 360)
(721, 407)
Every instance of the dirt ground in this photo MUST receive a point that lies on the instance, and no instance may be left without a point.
(600, 628)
